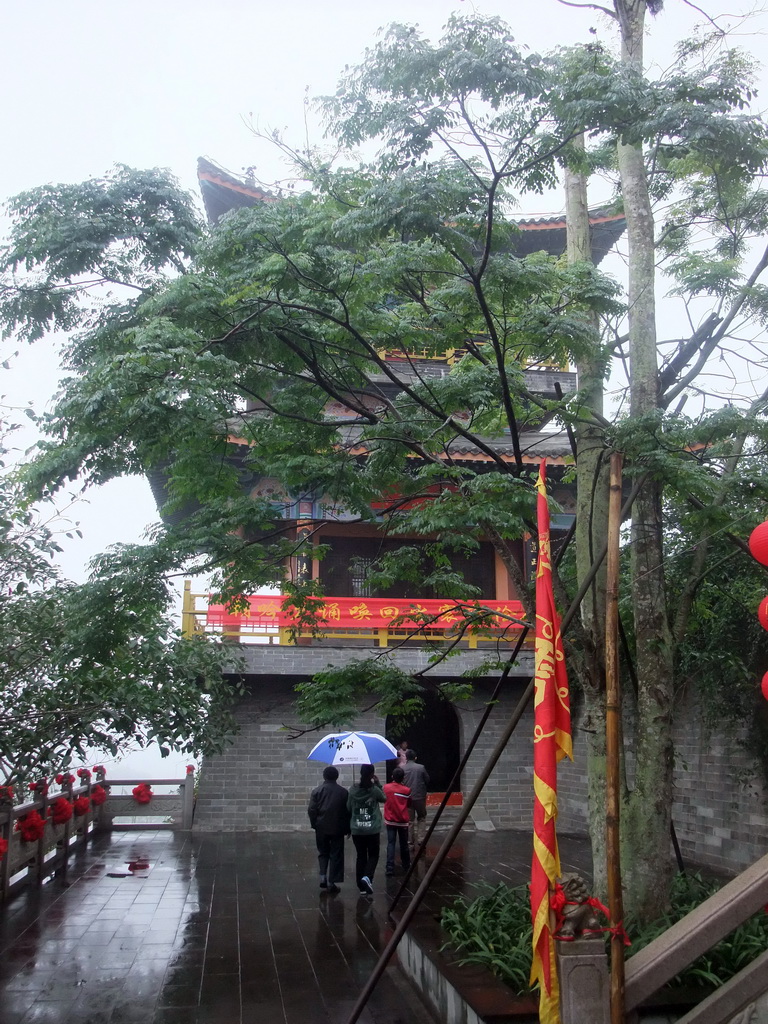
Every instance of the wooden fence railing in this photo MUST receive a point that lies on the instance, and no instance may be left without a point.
(39, 841)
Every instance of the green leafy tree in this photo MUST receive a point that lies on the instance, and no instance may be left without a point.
(228, 371)
(94, 668)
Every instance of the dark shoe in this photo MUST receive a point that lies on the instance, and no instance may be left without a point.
(323, 883)
(366, 886)
(333, 888)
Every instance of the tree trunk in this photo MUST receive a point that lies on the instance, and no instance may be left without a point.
(646, 860)
(591, 526)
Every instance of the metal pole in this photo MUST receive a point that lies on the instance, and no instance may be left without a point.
(612, 745)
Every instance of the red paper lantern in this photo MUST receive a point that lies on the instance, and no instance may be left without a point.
(762, 613)
(758, 543)
(764, 686)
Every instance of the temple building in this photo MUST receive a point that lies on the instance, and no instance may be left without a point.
(262, 780)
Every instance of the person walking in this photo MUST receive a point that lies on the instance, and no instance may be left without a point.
(397, 820)
(329, 817)
(365, 825)
(402, 750)
(416, 779)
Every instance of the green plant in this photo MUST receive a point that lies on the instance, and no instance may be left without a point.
(722, 961)
(494, 929)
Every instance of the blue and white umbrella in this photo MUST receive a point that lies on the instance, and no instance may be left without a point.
(352, 748)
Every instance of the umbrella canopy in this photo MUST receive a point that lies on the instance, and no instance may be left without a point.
(352, 748)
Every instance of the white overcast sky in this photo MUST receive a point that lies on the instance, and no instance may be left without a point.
(156, 84)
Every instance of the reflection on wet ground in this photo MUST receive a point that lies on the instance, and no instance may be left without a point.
(178, 928)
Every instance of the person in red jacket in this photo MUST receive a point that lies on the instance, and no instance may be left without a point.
(397, 820)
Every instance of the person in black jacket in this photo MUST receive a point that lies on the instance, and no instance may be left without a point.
(329, 817)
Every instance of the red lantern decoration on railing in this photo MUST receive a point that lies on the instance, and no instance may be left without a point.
(3, 848)
(81, 806)
(764, 686)
(31, 827)
(60, 810)
(98, 795)
(762, 613)
(142, 793)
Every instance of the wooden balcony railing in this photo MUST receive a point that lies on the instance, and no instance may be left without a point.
(382, 620)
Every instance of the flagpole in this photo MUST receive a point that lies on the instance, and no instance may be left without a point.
(612, 742)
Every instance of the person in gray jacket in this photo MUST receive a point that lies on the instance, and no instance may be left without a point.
(329, 817)
(417, 780)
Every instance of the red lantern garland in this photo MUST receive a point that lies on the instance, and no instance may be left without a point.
(84, 774)
(98, 795)
(100, 769)
(758, 543)
(31, 827)
(81, 806)
(8, 793)
(3, 848)
(60, 810)
(65, 779)
(142, 793)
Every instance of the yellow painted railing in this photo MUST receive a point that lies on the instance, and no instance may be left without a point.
(379, 621)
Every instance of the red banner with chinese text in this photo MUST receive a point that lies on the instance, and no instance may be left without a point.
(551, 742)
(371, 613)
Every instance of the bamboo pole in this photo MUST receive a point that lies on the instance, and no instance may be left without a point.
(612, 742)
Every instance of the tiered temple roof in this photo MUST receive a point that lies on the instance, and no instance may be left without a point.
(223, 192)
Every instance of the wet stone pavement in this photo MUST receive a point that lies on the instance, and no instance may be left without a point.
(181, 928)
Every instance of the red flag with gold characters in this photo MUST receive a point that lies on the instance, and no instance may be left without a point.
(551, 742)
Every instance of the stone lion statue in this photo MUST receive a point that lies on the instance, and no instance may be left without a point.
(579, 917)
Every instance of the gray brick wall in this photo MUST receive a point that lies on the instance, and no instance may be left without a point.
(262, 782)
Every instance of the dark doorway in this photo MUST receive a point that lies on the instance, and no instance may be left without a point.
(435, 738)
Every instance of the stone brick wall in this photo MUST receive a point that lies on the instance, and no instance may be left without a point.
(262, 782)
